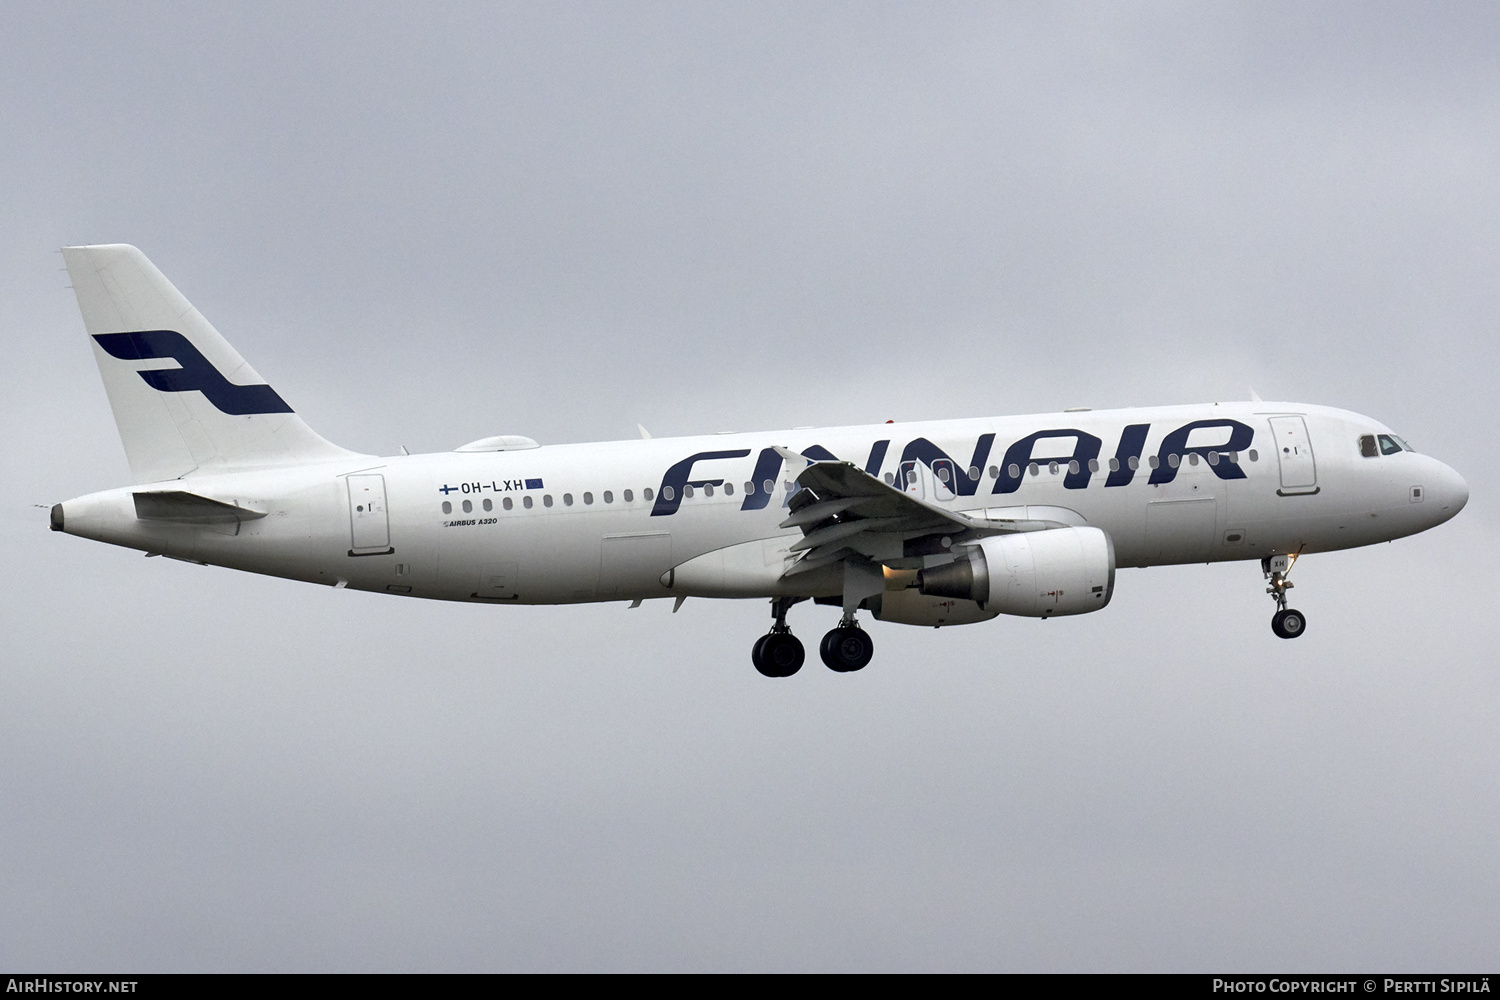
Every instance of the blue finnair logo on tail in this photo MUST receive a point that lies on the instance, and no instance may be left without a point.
(195, 373)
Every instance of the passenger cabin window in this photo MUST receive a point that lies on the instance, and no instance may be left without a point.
(946, 478)
(1367, 445)
(1388, 445)
(911, 479)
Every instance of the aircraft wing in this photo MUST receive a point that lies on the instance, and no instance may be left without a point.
(843, 511)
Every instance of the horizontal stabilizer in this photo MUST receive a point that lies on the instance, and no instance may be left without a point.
(179, 505)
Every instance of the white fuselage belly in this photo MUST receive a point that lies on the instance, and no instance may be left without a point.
(592, 551)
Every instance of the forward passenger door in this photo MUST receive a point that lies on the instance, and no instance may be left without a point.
(1299, 472)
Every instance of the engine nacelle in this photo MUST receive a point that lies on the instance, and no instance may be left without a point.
(907, 607)
(1059, 571)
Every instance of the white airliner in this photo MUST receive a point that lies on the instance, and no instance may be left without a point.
(924, 523)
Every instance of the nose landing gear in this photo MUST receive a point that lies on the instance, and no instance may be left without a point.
(778, 653)
(1287, 623)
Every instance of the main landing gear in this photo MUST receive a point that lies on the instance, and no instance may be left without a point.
(778, 653)
(1287, 623)
(847, 648)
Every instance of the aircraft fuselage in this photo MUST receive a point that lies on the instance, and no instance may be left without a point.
(604, 522)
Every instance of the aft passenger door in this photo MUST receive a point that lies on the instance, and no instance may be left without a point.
(369, 526)
(1299, 472)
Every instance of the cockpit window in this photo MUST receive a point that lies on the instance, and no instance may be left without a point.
(1367, 445)
(1388, 445)
(1405, 446)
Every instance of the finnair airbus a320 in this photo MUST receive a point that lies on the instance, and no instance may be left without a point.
(927, 523)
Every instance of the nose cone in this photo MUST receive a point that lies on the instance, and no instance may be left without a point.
(1449, 492)
(1445, 494)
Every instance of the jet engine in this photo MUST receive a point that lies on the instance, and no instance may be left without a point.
(1058, 571)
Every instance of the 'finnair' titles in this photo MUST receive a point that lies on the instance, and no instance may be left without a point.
(921, 523)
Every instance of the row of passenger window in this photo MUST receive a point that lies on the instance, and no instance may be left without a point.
(608, 497)
(509, 503)
(1014, 471)
(769, 486)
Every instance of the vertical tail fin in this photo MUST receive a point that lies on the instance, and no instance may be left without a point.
(183, 399)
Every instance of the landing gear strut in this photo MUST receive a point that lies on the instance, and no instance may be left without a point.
(847, 647)
(1287, 623)
(778, 653)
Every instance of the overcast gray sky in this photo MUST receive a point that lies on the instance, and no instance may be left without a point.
(429, 226)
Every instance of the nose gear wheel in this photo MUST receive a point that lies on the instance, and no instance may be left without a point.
(1288, 623)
